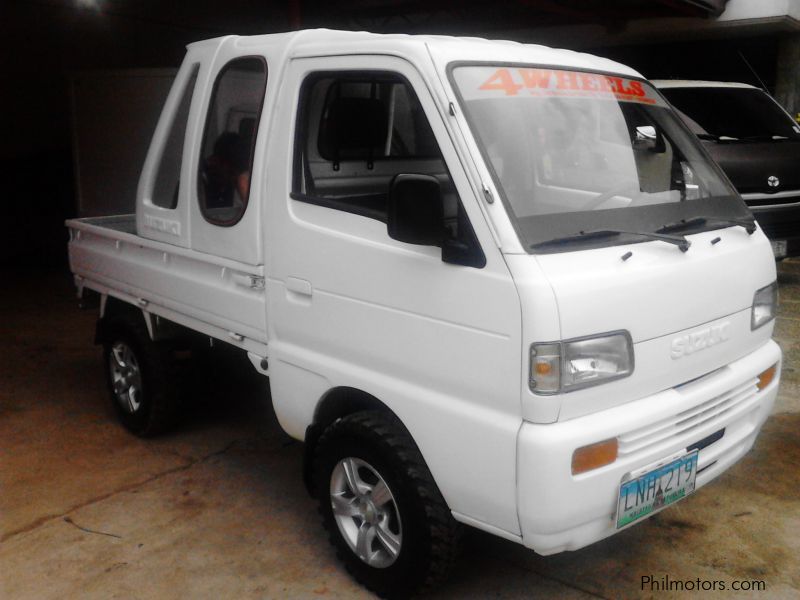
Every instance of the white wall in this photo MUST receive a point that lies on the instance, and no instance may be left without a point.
(737, 10)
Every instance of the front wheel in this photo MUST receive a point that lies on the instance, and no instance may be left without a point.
(383, 511)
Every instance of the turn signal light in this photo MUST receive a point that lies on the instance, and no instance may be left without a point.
(765, 378)
(543, 368)
(594, 456)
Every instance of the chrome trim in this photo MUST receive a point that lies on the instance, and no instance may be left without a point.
(764, 207)
(775, 196)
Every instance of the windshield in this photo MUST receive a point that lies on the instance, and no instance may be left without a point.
(574, 151)
(733, 113)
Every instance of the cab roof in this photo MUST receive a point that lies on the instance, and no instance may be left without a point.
(444, 49)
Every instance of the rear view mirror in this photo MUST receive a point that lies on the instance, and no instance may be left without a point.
(646, 137)
(415, 212)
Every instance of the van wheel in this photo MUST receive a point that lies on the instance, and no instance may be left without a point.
(142, 391)
(381, 507)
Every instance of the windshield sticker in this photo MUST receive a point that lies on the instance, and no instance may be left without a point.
(509, 82)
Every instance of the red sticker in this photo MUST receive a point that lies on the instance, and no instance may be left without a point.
(554, 82)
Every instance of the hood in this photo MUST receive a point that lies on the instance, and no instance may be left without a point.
(659, 290)
(749, 164)
(659, 295)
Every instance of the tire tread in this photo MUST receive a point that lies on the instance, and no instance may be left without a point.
(444, 532)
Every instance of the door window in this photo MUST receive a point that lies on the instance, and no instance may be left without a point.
(226, 158)
(356, 132)
(167, 182)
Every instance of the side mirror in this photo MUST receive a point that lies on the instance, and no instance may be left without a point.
(415, 211)
(457, 252)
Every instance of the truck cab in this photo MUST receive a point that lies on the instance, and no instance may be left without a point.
(492, 284)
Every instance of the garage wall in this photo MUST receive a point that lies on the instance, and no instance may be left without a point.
(114, 114)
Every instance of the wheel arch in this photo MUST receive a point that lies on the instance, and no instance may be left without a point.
(114, 312)
(336, 403)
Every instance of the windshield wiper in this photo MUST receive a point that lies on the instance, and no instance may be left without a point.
(768, 137)
(716, 138)
(678, 240)
(748, 224)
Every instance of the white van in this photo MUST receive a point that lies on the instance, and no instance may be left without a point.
(492, 284)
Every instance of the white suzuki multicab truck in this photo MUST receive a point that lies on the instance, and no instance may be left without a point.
(491, 284)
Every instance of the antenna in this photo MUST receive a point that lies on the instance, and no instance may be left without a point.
(753, 71)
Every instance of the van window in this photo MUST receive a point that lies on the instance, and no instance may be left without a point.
(226, 158)
(356, 131)
(167, 182)
(732, 113)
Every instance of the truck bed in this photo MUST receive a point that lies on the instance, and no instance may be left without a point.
(120, 223)
(216, 296)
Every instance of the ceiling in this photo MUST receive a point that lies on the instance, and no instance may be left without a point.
(72, 34)
(43, 41)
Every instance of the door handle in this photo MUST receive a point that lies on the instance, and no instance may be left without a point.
(299, 287)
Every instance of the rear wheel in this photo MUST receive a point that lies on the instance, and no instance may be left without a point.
(382, 509)
(143, 392)
(125, 377)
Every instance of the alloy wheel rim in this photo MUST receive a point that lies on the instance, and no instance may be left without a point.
(366, 512)
(126, 377)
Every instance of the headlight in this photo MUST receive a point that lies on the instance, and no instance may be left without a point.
(765, 305)
(578, 363)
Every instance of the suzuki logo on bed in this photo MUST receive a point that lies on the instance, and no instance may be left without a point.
(552, 82)
(690, 343)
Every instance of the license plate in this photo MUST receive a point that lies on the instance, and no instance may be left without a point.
(779, 248)
(642, 495)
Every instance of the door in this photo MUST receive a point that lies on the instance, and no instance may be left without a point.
(223, 283)
(438, 343)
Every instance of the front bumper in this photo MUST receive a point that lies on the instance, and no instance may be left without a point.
(559, 511)
(778, 221)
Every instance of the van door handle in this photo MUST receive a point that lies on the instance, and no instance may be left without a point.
(300, 287)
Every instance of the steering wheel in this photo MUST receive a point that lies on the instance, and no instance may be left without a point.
(628, 186)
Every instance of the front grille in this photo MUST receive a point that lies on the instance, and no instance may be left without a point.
(779, 229)
(688, 420)
(706, 441)
(780, 222)
(771, 201)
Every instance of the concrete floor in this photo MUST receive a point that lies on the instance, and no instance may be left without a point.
(217, 508)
